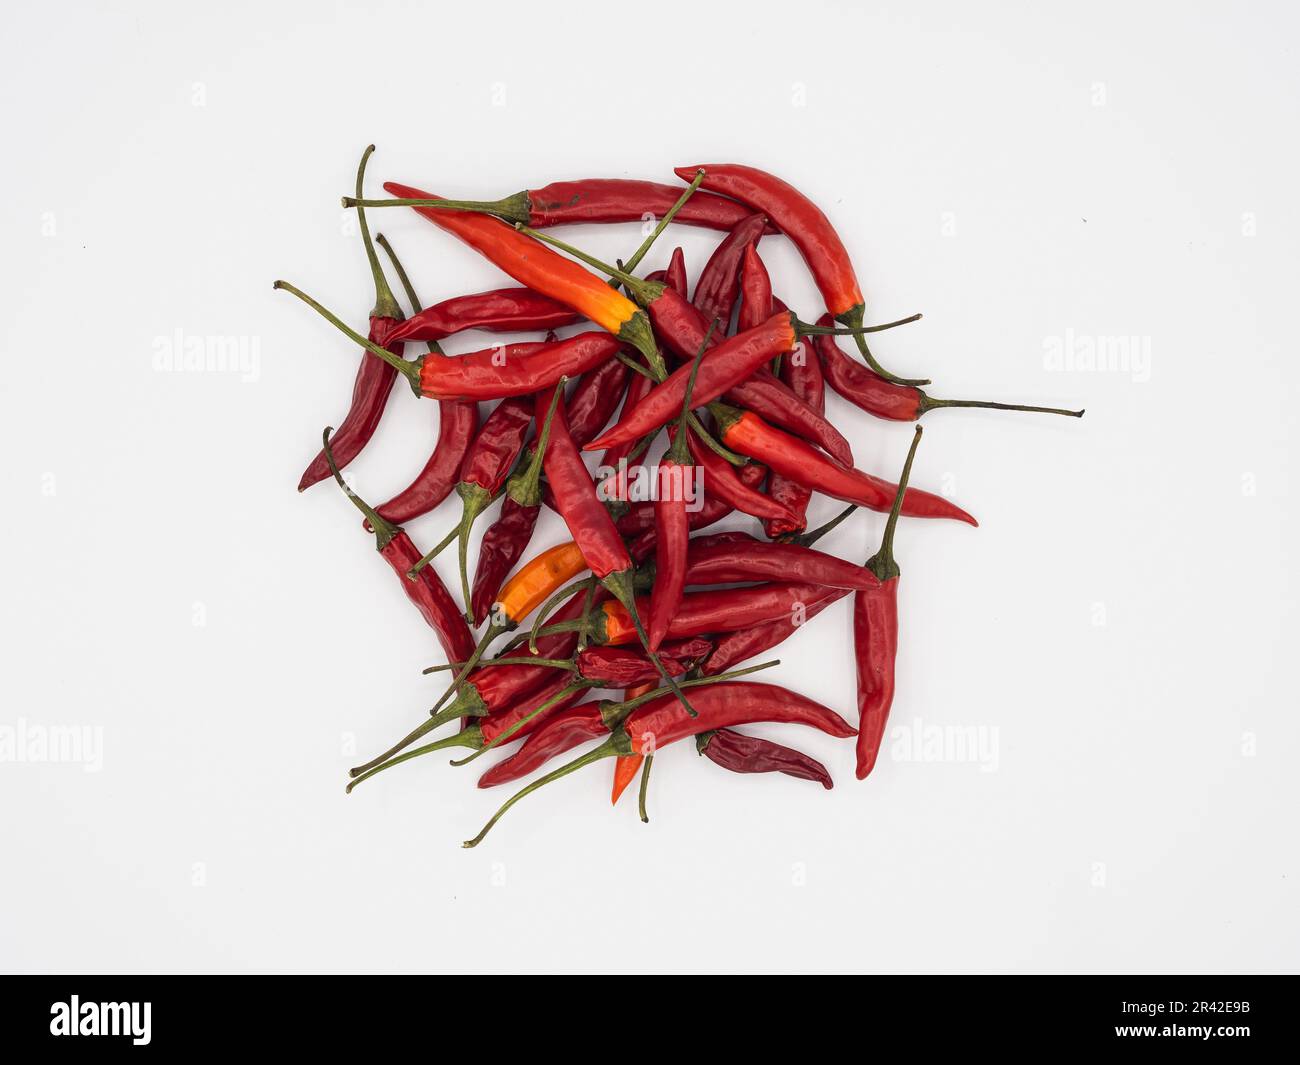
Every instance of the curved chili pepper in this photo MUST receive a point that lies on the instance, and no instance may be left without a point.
(755, 290)
(796, 460)
(514, 369)
(675, 276)
(537, 267)
(755, 560)
(428, 594)
(626, 768)
(735, 647)
(875, 635)
(499, 310)
(749, 754)
(659, 723)
(560, 732)
(588, 200)
(375, 377)
(809, 230)
(457, 425)
(719, 282)
(801, 372)
(865, 388)
(722, 481)
(593, 400)
(502, 546)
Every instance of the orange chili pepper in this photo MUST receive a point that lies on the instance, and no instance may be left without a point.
(626, 768)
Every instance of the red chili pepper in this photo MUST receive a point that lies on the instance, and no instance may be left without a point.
(430, 597)
(638, 388)
(875, 635)
(801, 372)
(457, 426)
(749, 754)
(714, 510)
(662, 721)
(590, 200)
(810, 231)
(514, 369)
(560, 732)
(675, 275)
(798, 461)
(755, 560)
(866, 389)
(503, 545)
(617, 667)
(499, 310)
(722, 481)
(719, 281)
(593, 400)
(375, 377)
(735, 647)
(755, 291)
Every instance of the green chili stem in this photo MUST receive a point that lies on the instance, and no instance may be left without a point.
(464, 738)
(384, 530)
(882, 563)
(631, 265)
(414, 572)
(645, 786)
(385, 305)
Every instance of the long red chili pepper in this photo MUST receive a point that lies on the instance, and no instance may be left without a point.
(499, 310)
(514, 369)
(429, 595)
(724, 482)
(719, 282)
(585, 201)
(875, 635)
(375, 377)
(739, 646)
(540, 269)
(641, 521)
(798, 461)
(800, 371)
(810, 231)
(866, 389)
(749, 559)
(661, 722)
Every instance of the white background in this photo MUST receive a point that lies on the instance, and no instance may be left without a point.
(1020, 173)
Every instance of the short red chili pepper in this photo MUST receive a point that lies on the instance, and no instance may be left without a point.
(499, 310)
(594, 400)
(735, 647)
(675, 275)
(618, 667)
(640, 519)
(875, 635)
(429, 595)
(809, 230)
(755, 291)
(375, 377)
(590, 200)
(794, 459)
(865, 388)
(662, 721)
(750, 754)
(719, 282)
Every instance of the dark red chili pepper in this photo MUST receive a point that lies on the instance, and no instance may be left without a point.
(801, 371)
(661, 721)
(589, 200)
(810, 231)
(618, 667)
(755, 291)
(719, 282)
(866, 389)
(375, 377)
(560, 732)
(594, 399)
(457, 425)
(875, 635)
(514, 369)
(755, 560)
(794, 459)
(503, 545)
(735, 647)
(749, 754)
(675, 276)
(638, 388)
(499, 310)
(428, 593)
(486, 466)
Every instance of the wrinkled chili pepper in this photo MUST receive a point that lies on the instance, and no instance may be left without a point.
(514, 369)
(661, 722)
(499, 310)
(724, 482)
(618, 667)
(865, 388)
(801, 371)
(810, 231)
(586, 201)
(875, 635)
(594, 399)
(375, 377)
(642, 544)
(749, 559)
(749, 754)
(798, 461)
(429, 595)
(735, 647)
(675, 275)
(755, 291)
(718, 285)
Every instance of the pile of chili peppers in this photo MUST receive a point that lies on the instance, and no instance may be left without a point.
(643, 603)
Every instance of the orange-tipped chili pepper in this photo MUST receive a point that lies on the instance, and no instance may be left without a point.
(798, 461)
(810, 231)
(875, 635)
(865, 388)
(541, 270)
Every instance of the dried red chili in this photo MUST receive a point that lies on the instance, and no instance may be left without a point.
(749, 754)
(719, 282)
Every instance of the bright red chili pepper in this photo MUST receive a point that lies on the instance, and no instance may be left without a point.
(801, 372)
(499, 310)
(719, 282)
(428, 594)
(749, 754)
(755, 560)
(808, 229)
(875, 635)
(457, 426)
(796, 460)
(514, 369)
(755, 291)
(594, 399)
(735, 647)
(537, 267)
(375, 377)
(865, 388)
(675, 276)
(722, 481)
(560, 732)
(640, 518)
(638, 388)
